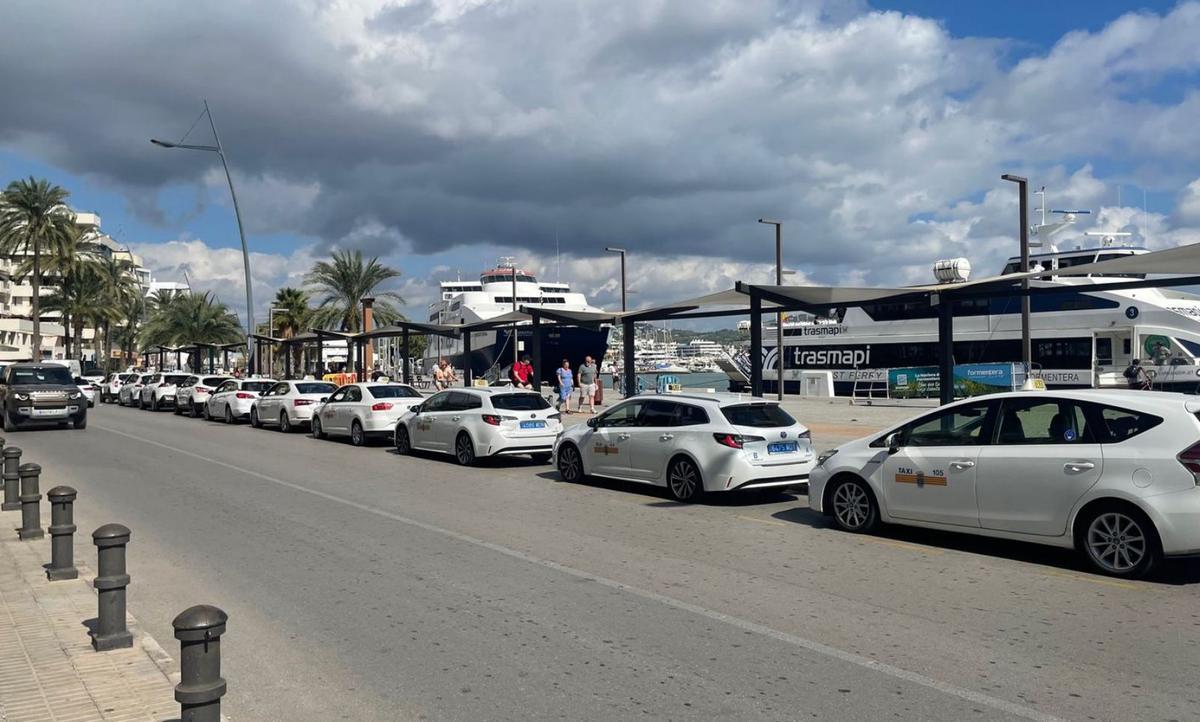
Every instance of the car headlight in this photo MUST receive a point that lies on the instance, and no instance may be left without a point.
(21, 397)
(825, 456)
(74, 394)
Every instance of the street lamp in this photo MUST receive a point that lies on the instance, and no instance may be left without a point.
(778, 282)
(236, 212)
(1026, 345)
(623, 292)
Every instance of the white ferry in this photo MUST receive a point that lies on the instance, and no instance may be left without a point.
(492, 352)
(1082, 338)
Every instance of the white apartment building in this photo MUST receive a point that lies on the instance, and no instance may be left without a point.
(16, 296)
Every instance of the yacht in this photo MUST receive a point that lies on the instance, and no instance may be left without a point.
(1086, 337)
(492, 352)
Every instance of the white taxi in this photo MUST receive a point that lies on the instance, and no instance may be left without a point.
(1114, 474)
(234, 398)
(470, 423)
(160, 390)
(691, 444)
(289, 404)
(131, 391)
(192, 394)
(364, 410)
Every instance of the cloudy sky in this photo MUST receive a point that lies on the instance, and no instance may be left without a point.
(441, 134)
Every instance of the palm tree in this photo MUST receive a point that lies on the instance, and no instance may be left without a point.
(343, 282)
(190, 318)
(34, 219)
(120, 290)
(81, 299)
(292, 315)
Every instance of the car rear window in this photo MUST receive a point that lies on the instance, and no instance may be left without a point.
(42, 375)
(519, 402)
(1116, 424)
(257, 385)
(214, 380)
(175, 378)
(761, 416)
(393, 392)
(126, 377)
(315, 387)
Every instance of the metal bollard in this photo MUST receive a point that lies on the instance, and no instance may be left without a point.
(201, 687)
(12, 480)
(31, 497)
(62, 534)
(111, 632)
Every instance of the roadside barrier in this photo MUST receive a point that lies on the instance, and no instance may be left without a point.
(62, 534)
(31, 515)
(201, 686)
(12, 480)
(110, 584)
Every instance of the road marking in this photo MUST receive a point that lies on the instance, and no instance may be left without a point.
(811, 645)
(902, 545)
(773, 522)
(1083, 578)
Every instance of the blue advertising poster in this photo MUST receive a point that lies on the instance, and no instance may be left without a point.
(922, 382)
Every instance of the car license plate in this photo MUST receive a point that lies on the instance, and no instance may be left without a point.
(533, 424)
(49, 412)
(782, 447)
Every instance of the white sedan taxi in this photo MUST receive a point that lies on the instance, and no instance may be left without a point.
(691, 444)
(233, 399)
(362, 411)
(289, 404)
(470, 423)
(1113, 474)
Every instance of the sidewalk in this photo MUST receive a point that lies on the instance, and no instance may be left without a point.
(48, 670)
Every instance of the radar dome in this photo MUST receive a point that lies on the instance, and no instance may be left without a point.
(952, 270)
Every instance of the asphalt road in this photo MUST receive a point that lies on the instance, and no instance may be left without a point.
(366, 586)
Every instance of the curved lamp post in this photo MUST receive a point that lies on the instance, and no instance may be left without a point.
(236, 212)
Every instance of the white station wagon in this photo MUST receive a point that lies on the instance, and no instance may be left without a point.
(472, 423)
(1111, 473)
(691, 444)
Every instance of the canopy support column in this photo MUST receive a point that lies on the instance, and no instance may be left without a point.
(536, 353)
(466, 338)
(945, 347)
(627, 354)
(756, 348)
(406, 365)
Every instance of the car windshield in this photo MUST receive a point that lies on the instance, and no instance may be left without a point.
(259, 386)
(127, 377)
(314, 388)
(393, 392)
(42, 375)
(214, 381)
(519, 402)
(175, 378)
(758, 415)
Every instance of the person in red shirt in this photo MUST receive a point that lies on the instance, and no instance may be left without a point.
(521, 373)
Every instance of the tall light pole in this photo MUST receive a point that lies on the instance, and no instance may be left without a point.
(236, 212)
(622, 252)
(778, 314)
(1026, 344)
(271, 332)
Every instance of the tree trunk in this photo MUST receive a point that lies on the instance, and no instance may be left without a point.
(107, 345)
(79, 339)
(65, 321)
(36, 282)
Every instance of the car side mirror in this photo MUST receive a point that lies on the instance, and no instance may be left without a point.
(593, 422)
(893, 442)
(324, 399)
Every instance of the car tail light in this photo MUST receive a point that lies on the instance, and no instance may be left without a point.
(1190, 458)
(302, 402)
(806, 435)
(381, 406)
(244, 395)
(555, 417)
(491, 419)
(735, 441)
(203, 388)
(163, 385)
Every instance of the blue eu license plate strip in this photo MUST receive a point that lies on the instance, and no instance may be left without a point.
(782, 447)
(533, 424)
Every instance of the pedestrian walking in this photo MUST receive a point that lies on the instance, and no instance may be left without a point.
(566, 383)
(587, 384)
(439, 375)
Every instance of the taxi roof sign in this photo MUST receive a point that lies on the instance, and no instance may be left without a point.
(1033, 384)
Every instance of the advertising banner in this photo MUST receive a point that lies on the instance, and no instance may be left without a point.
(922, 382)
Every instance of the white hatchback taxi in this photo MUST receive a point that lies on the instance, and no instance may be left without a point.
(192, 394)
(691, 444)
(289, 404)
(470, 423)
(364, 410)
(234, 398)
(1113, 474)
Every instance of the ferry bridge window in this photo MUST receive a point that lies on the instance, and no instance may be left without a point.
(1113, 256)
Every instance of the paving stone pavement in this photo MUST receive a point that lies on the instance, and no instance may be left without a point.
(48, 669)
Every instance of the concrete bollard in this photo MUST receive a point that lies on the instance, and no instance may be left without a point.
(31, 497)
(111, 632)
(62, 534)
(12, 479)
(200, 687)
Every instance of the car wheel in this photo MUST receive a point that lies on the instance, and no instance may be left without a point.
(357, 437)
(9, 424)
(228, 415)
(316, 428)
(464, 450)
(403, 440)
(570, 464)
(285, 423)
(853, 505)
(81, 423)
(254, 420)
(176, 410)
(1120, 541)
(684, 480)
(542, 458)
(195, 410)
(154, 404)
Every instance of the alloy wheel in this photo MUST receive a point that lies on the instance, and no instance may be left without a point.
(228, 414)
(1116, 542)
(403, 442)
(851, 506)
(464, 451)
(356, 434)
(684, 480)
(570, 467)
(285, 424)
